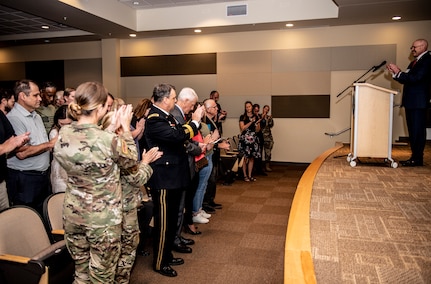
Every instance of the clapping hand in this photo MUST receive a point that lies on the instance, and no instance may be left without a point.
(199, 113)
(151, 155)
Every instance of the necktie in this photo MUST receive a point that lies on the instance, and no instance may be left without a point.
(414, 63)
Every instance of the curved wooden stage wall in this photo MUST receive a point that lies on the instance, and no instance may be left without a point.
(298, 262)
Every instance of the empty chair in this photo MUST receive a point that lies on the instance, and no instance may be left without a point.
(26, 253)
(53, 215)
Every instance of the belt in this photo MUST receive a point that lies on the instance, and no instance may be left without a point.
(32, 172)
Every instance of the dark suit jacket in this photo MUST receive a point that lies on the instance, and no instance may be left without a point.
(192, 147)
(171, 171)
(417, 83)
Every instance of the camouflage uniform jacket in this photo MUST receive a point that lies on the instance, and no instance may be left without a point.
(131, 182)
(266, 131)
(93, 159)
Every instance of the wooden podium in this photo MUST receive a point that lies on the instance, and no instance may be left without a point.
(372, 116)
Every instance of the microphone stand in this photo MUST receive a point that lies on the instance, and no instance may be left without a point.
(356, 81)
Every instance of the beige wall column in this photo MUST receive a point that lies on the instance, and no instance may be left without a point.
(111, 71)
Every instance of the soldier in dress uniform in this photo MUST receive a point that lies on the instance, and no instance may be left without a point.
(171, 172)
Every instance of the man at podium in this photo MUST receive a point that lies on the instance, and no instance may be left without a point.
(416, 96)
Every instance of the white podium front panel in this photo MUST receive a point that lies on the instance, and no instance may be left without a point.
(371, 122)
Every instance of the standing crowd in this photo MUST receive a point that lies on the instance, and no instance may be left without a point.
(111, 160)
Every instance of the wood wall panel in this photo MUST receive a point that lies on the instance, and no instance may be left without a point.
(301, 83)
(244, 62)
(252, 84)
(301, 60)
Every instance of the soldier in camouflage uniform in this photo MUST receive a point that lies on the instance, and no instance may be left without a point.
(268, 140)
(132, 180)
(92, 211)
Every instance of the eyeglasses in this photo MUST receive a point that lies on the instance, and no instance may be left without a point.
(414, 47)
(213, 107)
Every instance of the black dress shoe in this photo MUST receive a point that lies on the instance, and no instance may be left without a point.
(215, 205)
(189, 231)
(187, 242)
(412, 163)
(208, 209)
(181, 248)
(167, 271)
(142, 252)
(176, 261)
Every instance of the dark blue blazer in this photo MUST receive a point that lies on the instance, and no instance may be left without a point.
(171, 171)
(417, 83)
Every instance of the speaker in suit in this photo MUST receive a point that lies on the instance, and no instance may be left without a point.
(416, 97)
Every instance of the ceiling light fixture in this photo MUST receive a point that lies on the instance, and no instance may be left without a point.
(198, 30)
(45, 27)
(132, 35)
(396, 18)
(135, 3)
(289, 25)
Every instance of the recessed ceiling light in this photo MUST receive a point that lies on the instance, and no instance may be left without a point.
(289, 25)
(135, 3)
(132, 35)
(45, 27)
(396, 18)
(198, 31)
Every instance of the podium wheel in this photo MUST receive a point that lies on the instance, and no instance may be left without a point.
(394, 165)
(353, 164)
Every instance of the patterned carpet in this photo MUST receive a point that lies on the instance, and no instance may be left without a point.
(372, 223)
(243, 242)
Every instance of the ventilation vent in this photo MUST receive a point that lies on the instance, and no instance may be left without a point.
(238, 10)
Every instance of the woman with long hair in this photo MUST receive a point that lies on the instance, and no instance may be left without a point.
(248, 141)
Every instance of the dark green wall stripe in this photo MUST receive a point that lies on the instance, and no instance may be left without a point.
(182, 64)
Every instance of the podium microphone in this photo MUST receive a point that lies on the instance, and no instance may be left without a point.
(375, 68)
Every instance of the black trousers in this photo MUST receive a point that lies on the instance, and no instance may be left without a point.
(416, 125)
(28, 188)
(166, 205)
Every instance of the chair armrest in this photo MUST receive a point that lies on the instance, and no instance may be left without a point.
(14, 258)
(58, 232)
(19, 269)
(53, 249)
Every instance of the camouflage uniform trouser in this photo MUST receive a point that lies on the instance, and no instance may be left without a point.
(94, 250)
(129, 244)
(267, 148)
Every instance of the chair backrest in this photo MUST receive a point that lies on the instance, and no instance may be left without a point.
(53, 211)
(22, 232)
(234, 142)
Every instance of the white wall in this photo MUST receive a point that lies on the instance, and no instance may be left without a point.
(296, 140)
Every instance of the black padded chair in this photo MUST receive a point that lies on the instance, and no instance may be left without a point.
(26, 253)
(53, 215)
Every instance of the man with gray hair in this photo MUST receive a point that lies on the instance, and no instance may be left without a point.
(186, 101)
(28, 180)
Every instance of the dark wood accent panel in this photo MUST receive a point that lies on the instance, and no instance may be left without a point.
(181, 64)
(304, 106)
(43, 71)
